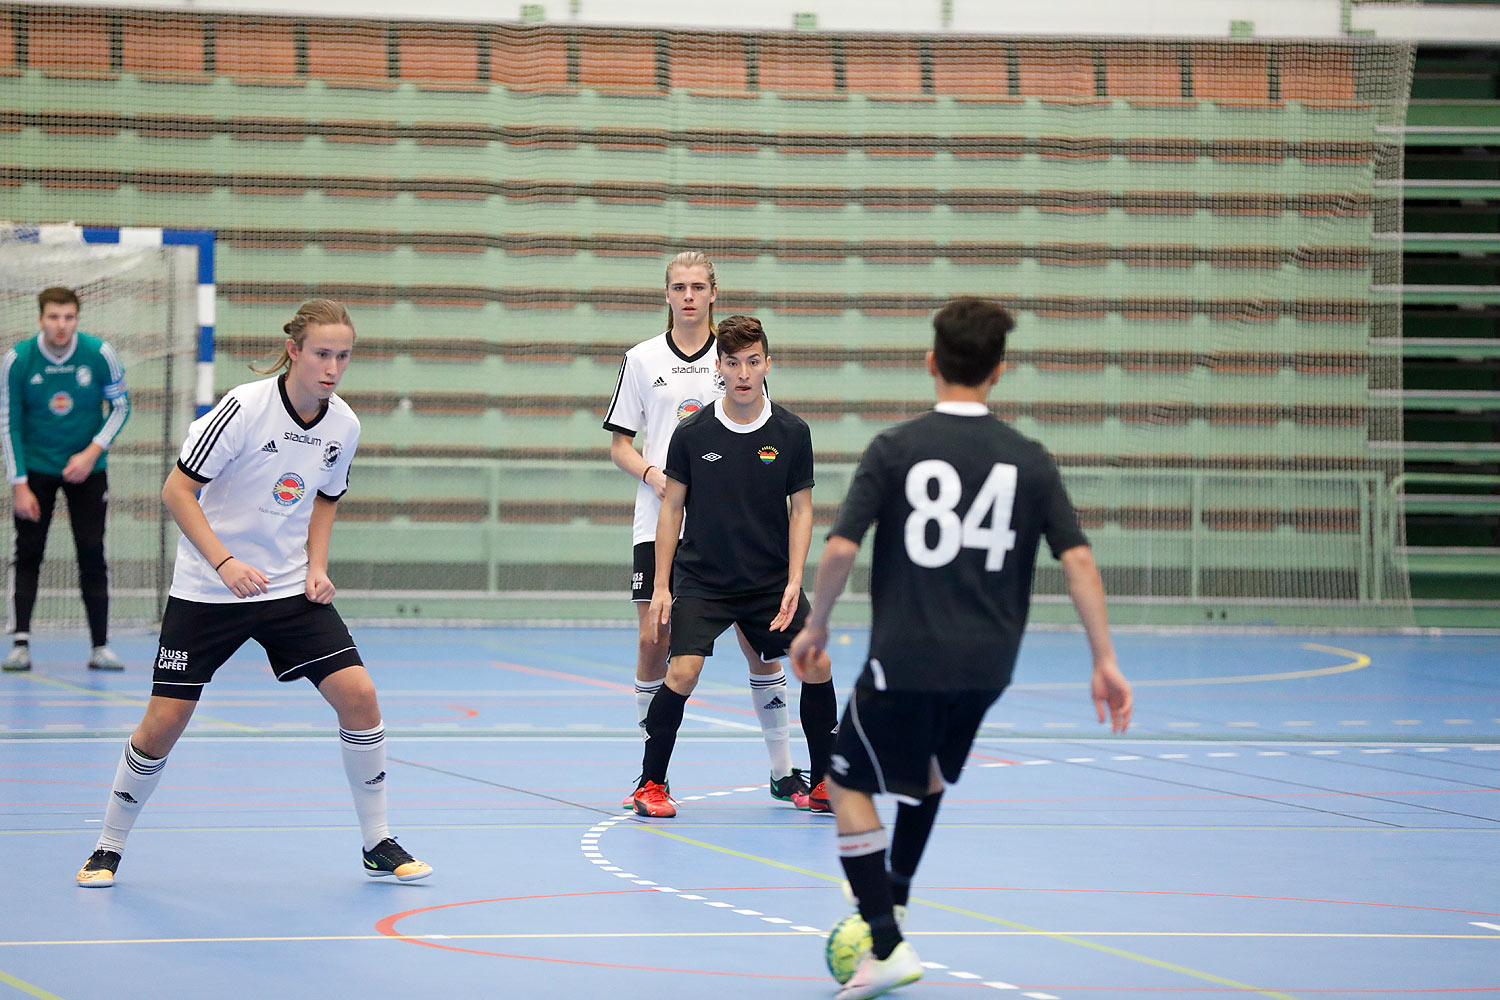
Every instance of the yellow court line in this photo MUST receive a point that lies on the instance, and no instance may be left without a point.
(1166, 828)
(1358, 661)
(1117, 952)
(27, 988)
(125, 699)
(658, 934)
(1064, 938)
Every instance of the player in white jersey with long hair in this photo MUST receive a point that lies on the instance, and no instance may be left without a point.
(271, 460)
(662, 381)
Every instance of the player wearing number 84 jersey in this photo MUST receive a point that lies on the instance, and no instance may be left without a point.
(961, 503)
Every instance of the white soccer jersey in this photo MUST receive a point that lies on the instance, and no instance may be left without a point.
(262, 465)
(658, 386)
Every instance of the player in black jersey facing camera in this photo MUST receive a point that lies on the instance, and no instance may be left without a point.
(662, 382)
(741, 470)
(961, 502)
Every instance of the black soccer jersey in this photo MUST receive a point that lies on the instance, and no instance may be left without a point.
(738, 478)
(961, 501)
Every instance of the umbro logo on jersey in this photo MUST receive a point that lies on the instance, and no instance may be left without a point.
(269, 446)
(712, 456)
(660, 383)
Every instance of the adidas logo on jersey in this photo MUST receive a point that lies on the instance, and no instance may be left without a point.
(660, 383)
(36, 379)
(269, 447)
(712, 456)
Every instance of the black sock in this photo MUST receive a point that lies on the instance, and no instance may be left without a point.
(908, 841)
(863, 858)
(819, 709)
(663, 719)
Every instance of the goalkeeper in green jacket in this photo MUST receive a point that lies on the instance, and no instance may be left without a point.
(62, 403)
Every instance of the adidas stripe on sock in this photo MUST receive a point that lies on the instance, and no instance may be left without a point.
(364, 765)
(136, 778)
(768, 697)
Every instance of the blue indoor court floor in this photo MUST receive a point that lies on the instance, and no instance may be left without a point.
(1290, 816)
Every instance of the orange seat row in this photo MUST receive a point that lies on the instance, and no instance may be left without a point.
(286, 51)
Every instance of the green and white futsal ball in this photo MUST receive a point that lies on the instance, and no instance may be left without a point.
(848, 943)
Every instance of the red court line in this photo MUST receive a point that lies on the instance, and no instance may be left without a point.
(463, 713)
(973, 755)
(559, 675)
(387, 926)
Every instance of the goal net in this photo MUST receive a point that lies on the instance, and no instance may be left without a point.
(143, 301)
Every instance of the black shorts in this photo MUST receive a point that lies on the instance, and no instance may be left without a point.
(698, 621)
(301, 638)
(643, 571)
(887, 740)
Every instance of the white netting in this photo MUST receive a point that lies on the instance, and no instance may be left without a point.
(143, 300)
(1200, 238)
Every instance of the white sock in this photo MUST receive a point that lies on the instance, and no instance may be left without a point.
(135, 780)
(364, 764)
(768, 696)
(644, 692)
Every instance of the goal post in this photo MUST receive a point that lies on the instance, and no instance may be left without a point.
(150, 294)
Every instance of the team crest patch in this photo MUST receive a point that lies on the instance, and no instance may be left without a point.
(768, 454)
(288, 489)
(688, 407)
(61, 404)
(85, 375)
(331, 452)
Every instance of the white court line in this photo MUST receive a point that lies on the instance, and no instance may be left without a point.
(588, 845)
(727, 723)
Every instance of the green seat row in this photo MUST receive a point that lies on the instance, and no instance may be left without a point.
(223, 207)
(1071, 440)
(585, 107)
(940, 170)
(553, 322)
(850, 275)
